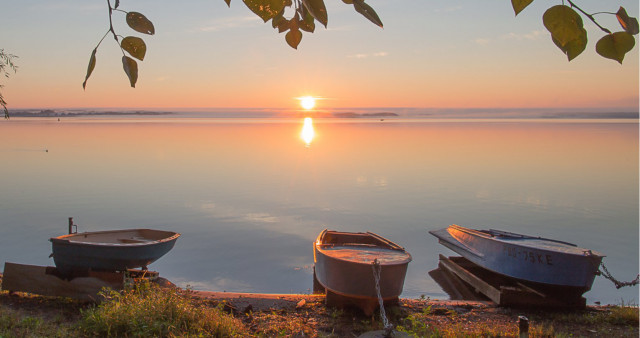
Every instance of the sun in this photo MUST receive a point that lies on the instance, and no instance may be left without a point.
(307, 102)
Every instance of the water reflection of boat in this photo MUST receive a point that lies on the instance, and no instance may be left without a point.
(555, 266)
(345, 268)
(115, 250)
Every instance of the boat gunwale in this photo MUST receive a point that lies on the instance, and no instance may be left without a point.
(69, 238)
(515, 236)
(321, 247)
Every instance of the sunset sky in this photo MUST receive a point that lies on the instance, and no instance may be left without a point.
(435, 54)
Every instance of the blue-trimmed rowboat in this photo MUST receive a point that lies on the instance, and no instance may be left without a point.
(115, 250)
(343, 264)
(554, 266)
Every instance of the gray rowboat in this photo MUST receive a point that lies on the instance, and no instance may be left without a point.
(547, 263)
(115, 250)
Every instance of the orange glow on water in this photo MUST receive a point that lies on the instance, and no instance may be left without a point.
(308, 133)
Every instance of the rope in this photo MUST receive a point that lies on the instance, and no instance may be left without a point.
(377, 269)
(606, 274)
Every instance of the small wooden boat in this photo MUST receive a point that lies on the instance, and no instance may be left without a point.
(115, 250)
(344, 266)
(557, 267)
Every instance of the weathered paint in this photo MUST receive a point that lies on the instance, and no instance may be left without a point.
(534, 259)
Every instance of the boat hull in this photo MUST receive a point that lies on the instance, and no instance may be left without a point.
(339, 271)
(117, 250)
(549, 264)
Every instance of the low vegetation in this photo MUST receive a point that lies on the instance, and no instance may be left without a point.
(149, 310)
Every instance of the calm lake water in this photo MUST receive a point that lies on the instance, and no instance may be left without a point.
(249, 196)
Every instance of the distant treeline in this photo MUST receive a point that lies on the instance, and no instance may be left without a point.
(353, 115)
(578, 115)
(53, 113)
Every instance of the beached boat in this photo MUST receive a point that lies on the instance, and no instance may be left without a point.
(555, 266)
(115, 250)
(344, 264)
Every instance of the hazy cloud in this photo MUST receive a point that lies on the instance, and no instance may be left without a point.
(227, 23)
(448, 9)
(365, 55)
(533, 35)
(55, 6)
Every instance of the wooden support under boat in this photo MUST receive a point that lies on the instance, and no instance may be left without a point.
(47, 281)
(502, 290)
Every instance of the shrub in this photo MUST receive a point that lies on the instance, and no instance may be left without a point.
(148, 310)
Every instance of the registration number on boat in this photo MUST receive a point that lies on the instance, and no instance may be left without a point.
(527, 255)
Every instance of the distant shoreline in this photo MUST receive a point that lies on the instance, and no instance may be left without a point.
(340, 114)
(53, 113)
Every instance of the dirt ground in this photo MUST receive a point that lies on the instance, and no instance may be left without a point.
(308, 316)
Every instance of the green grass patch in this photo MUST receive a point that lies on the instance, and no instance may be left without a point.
(15, 323)
(148, 310)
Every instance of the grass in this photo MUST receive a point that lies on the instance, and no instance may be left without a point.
(617, 320)
(18, 324)
(618, 315)
(150, 311)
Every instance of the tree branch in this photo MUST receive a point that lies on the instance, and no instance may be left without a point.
(589, 16)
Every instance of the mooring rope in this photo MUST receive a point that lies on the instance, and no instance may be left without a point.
(377, 269)
(606, 274)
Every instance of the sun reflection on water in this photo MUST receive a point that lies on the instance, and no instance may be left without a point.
(307, 132)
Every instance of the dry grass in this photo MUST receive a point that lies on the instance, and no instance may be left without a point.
(172, 313)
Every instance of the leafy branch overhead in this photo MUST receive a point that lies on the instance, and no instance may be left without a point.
(133, 46)
(295, 16)
(568, 33)
(291, 16)
(6, 60)
(564, 22)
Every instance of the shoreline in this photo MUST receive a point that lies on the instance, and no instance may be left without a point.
(297, 315)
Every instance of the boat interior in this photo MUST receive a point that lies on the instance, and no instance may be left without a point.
(133, 236)
(333, 238)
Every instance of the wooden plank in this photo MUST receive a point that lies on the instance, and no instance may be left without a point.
(464, 274)
(502, 290)
(37, 280)
(455, 287)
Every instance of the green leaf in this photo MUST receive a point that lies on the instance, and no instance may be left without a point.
(575, 47)
(293, 37)
(629, 24)
(228, 2)
(615, 46)
(368, 12)
(134, 46)
(265, 9)
(519, 5)
(92, 65)
(131, 68)
(140, 23)
(317, 9)
(563, 23)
